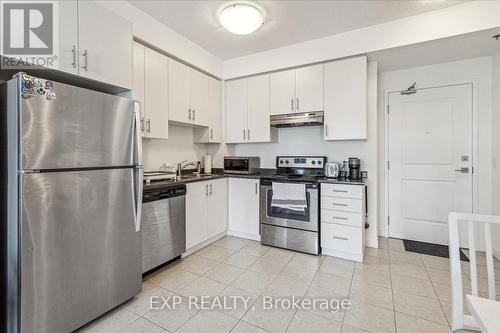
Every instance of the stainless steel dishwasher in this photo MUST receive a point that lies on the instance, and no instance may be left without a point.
(163, 225)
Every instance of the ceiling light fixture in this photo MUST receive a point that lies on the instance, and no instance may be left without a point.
(241, 17)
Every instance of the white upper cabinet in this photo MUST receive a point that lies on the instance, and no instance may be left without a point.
(282, 92)
(199, 98)
(258, 115)
(247, 110)
(297, 90)
(105, 45)
(345, 99)
(156, 95)
(309, 88)
(213, 132)
(179, 91)
(236, 110)
(139, 76)
(150, 89)
(188, 94)
(68, 37)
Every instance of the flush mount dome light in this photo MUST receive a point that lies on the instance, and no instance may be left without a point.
(241, 17)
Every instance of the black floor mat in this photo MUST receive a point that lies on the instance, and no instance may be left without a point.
(431, 249)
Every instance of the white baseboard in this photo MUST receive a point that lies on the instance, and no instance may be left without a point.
(243, 235)
(341, 254)
(197, 247)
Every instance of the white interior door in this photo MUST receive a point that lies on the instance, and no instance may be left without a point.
(430, 156)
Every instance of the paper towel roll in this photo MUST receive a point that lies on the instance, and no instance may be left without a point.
(207, 162)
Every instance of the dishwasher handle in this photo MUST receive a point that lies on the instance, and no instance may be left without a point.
(164, 193)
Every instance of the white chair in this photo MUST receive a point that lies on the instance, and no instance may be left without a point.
(460, 320)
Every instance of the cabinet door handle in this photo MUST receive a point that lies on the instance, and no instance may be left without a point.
(206, 190)
(256, 189)
(85, 63)
(211, 133)
(248, 134)
(149, 125)
(194, 114)
(210, 189)
(340, 218)
(244, 134)
(297, 103)
(291, 103)
(342, 205)
(326, 130)
(341, 191)
(142, 125)
(189, 114)
(73, 50)
(341, 238)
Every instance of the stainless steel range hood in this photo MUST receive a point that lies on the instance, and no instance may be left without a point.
(297, 119)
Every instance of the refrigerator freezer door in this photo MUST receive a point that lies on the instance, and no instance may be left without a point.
(80, 252)
(81, 128)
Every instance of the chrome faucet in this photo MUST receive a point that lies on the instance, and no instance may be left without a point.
(182, 165)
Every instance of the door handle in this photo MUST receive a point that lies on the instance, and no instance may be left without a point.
(138, 197)
(462, 170)
(85, 63)
(73, 50)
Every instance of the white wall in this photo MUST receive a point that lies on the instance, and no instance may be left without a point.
(496, 148)
(455, 20)
(177, 148)
(309, 141)
(158, 34)
(477, 71)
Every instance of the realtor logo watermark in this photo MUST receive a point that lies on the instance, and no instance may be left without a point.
(29, 35)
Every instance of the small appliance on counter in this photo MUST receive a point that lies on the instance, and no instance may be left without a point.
(241, 165)
(354, 168)
(332, 169)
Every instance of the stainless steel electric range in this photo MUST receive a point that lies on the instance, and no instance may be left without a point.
(291, 228)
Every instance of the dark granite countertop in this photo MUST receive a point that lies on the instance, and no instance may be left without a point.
(219, 174)
(342, 181)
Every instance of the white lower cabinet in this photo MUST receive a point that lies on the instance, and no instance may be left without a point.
(206, 210)
(343, 213)
(244, 208)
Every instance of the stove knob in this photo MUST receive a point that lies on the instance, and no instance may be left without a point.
(319, 162)
(286, 162)
(313, 162)
(281, 161)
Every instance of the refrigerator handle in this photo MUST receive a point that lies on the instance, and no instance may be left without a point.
(138, 135)
(139, 174)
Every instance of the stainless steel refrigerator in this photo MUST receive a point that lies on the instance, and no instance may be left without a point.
(71, 200)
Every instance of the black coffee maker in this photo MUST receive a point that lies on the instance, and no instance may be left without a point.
(354, 168)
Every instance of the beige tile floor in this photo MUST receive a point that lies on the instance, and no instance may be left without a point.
(391, 291)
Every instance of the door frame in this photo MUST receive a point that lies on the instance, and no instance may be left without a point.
(475, 189)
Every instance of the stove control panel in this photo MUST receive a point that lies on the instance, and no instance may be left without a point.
(316, 162)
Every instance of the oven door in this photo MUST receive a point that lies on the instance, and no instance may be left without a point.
(306, 220)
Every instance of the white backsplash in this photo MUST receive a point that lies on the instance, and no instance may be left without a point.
(178, 147)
